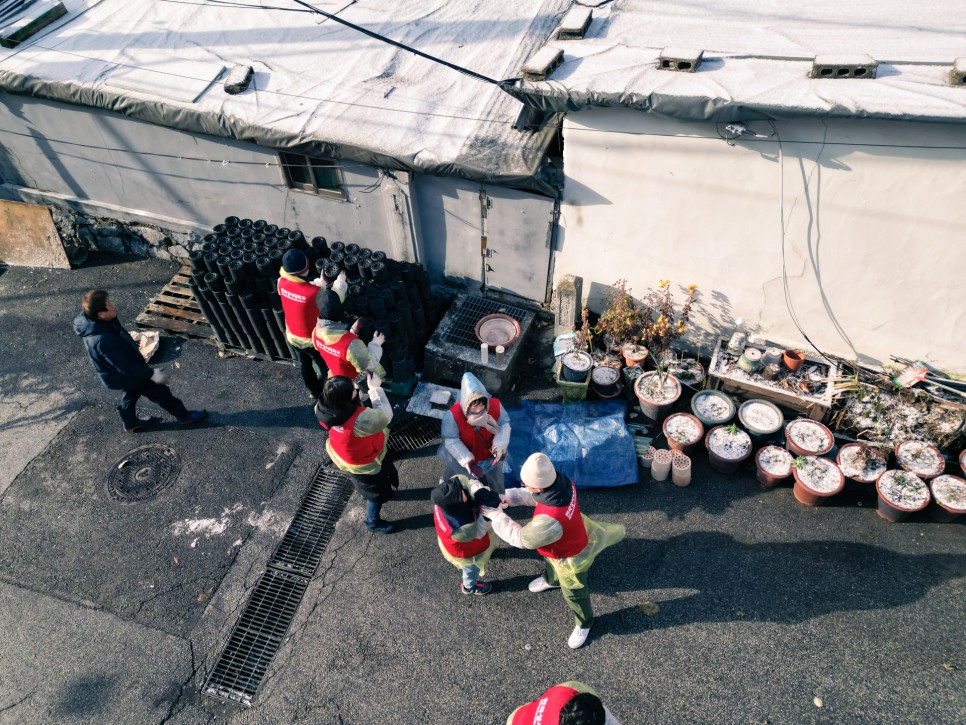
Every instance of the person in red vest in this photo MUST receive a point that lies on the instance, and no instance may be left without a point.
(298, 305)
(570, 703)
(476, 434)
(341, 348)
(462, 532)
(357, 443)
(566, 539)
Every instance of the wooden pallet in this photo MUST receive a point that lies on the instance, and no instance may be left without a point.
(174, 310)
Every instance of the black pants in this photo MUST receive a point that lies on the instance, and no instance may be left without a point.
(305, 357)
(156, 393)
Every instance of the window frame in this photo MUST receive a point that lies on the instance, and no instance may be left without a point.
(286, 161)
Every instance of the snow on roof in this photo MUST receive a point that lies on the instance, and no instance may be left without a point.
(757, 58)
(318, 85)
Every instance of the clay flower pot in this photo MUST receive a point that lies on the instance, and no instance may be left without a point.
(683, 431)
(654, 400)
(900, 494)
(807, 437)
(680, 469)
(861, 463)
(948, 498)
(794, 359)
(818, 479)
(727, 450)
(962, 462)
(774, 465)
(634, 355)
(760, 418)
(712, 407)
(921, 458)
(661, 465)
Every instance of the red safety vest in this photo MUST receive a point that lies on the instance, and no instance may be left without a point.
(335, 354)
(545, 710)
(574, 537)
(478, 441)
(459, 549)
(298, 304)
(352, 449)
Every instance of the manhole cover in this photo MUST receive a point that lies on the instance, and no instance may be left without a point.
(143, 473)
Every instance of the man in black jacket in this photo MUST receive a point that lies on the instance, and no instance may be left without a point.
(119, 364)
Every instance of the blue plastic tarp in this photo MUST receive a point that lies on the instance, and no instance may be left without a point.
(587, 441)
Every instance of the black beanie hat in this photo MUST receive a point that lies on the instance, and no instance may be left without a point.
(329, 304)
(295, 262)
(449, 496)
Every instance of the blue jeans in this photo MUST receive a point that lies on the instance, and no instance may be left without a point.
(373, 510)
(471, 574)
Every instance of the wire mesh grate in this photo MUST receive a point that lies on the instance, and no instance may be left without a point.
(413, 433)
(256, 638)
(467, 311)
(309, 533)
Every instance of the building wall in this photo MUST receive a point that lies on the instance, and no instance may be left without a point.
(872, 248)
(182, 181)
(518, 227)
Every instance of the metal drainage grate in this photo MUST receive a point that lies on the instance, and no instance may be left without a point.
(467, 311)
(143, 473)
(257, 637)
(412, 434)
(304, 543)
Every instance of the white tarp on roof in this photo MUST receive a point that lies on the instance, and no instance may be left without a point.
(317, 84)
(757, 56)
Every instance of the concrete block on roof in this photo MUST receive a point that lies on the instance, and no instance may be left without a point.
(575, 23)
(957, 76)
(542, 64)
(37, 17)
(683, 60)
(844, 66)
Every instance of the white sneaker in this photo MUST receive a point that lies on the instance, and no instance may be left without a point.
(540, 585)
(578, 637)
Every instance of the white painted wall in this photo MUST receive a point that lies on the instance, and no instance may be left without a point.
(61, 149)
(874, 226)
(517, 224)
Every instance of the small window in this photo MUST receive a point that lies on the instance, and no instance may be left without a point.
(315, 175)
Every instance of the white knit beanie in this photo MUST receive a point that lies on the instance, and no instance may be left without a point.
(538, 471)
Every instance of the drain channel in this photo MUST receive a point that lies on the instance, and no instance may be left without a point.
(413, 433)
(260, 630)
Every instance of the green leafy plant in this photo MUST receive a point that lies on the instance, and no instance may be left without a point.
(733, 429)
(800, 462)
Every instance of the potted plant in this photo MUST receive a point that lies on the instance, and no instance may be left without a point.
(861, 463)
(760, 418)
(807, 437)
(948, 498)
(682, 431)
(900, 494)
(620, 323)
(774, 465)
(712, 407)
(816, 479)
(921, 458)
(728, 447)
(658, 390)
(575, 364)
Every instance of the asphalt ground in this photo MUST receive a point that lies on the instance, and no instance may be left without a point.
(766, 610)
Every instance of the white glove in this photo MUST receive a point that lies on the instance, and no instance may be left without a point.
(499, 452)
(160, 377)
(491, 513)
(378, 338)
(340, 286)
(318, 282)
(374, 380)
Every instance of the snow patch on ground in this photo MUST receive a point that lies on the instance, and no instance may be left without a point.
(205, 527)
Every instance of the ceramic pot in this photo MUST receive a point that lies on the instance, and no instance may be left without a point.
(928, 451)
(606, 381)
(720, 400)
(894, 511)
(794, 359)
(765, 477)
(722, 463)
(654, 409)
(661, 465)
(675, 445)
(761, 418)
(845, 462)
(948, 498)
(634, 355)
(750, 359)
(820, 432)
(575, 366)
(812, 497)
(772, 356)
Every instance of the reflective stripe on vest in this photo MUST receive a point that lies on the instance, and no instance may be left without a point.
(545, 710)
(478, 441)
(335, 354)
(574, 537)
(298, 305)
(352, 449)
(459, 549)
